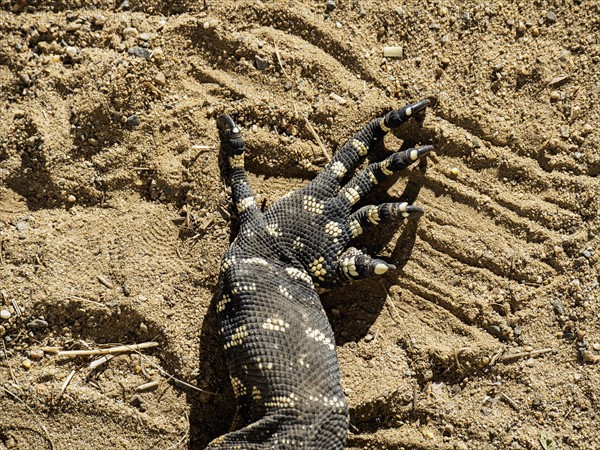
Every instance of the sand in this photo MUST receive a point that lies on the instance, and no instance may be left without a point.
(114, 214)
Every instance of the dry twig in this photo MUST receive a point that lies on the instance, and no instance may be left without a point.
(65, 384)
(531, 354)
(107, 351)
(317, 138)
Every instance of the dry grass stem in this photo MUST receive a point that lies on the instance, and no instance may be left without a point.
(531, 354)
(108, 351)
(317, 138)
(98, 362)
(147, 386)
(65, 384)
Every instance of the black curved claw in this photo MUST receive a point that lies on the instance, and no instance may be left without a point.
(418, 107)
(396, 211)
(422, 151)
(396, 118)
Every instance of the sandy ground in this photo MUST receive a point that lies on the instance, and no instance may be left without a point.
(113, 213)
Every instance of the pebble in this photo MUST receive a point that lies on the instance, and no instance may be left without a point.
(2, 330)
(330, 5)
(36, 354)
(558, 307)
(133, 120)
(454, 171)
(5, 314)
(160, 79)
(71, 198)
(564, 131)
(555, 96)
(21, 226)
(596, 346)
(530, 362)
(130, 31)
(140, 52)
(26, 363)
(71, 51)
(551, 17)
(587, 254)
(587, 129)
(368, 337)
(260, 63)
(37, 325)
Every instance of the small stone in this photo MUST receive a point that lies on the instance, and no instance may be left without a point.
(37, 325)
(565, 131)
(136, 401)
(133, 120)
(587, 253)
(530, 362)
(26, 364)
(21, 226)
(5, 314)
(130, 32)
(36, 354)
(71, 198)
(555, 96)
(71, 51)
(330, 6)
(596, 346)
(160, 79)
(140, 52)
(368, 337)
(206, 25)
(551, 17)
(558, 307)
(2, 330)
(587, 129)
(338, 25)
(495, 330)
(145, 36)
(260, 63)
(143, 328)
(538, 402)
(73, 26)
(454, 172)
(535, 31)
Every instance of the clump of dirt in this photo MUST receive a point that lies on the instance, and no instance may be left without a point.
(114, 216)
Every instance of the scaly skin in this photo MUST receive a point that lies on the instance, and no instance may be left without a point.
(279, 345)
